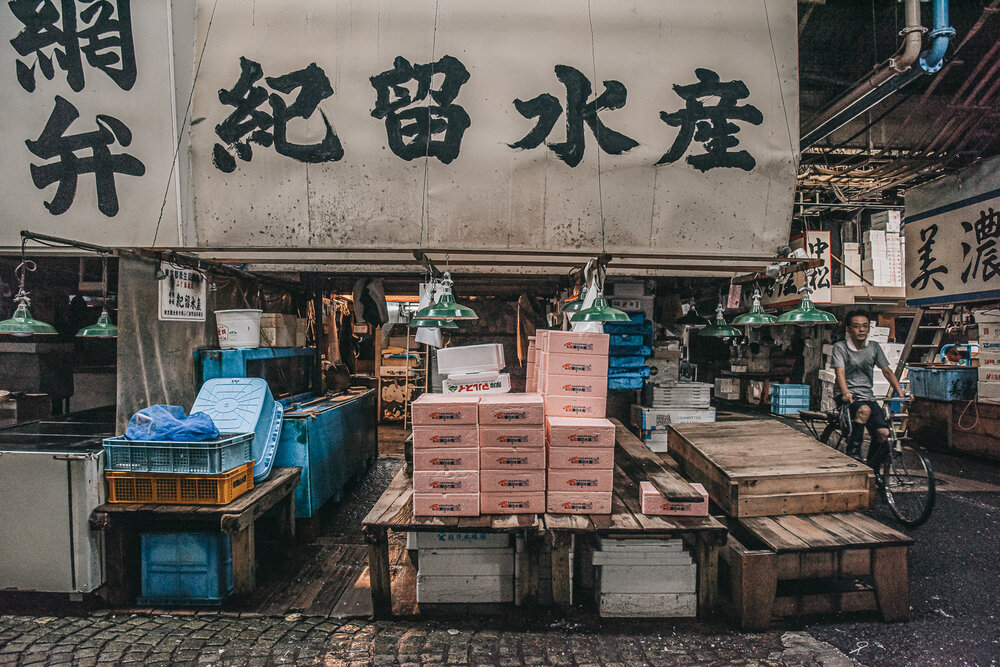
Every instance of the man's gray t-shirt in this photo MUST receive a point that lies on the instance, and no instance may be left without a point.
(858, 366)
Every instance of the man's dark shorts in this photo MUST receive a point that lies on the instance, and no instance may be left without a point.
(877, 419)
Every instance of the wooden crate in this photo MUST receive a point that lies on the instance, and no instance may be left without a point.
(763, 468)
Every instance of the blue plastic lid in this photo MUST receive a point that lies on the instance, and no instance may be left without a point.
(244, 405)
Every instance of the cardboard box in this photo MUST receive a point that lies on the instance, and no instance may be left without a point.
(654, 504)
(445, 504)
(571, 342)
(509, 481)
(446, 481)
(576, 364)
(577, 431)
(580, 480)
(516, 409)
(576, 385)
(439, 435)
(511, 436)
(512, 458)
(576, 406)
(581, 458)
(578, 503)
(517, 502)
(990, 390)
(431, 409)
(446, 458)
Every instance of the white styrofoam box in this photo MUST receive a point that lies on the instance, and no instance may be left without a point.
(983, 316)
(477, 383)
(470, 359)
(466, 562)
(988, 357)
(648, 558)
(649, 578)
(629, 288)
(651, 419)
(989, 332)
(472, 589)
(727, 384)
(657, 544)
(655, 441)
(989, 374)
(990, 390)
(663, 370)
(827, 375)
(441, 540)
(890, 221)
(633, 304)
(649, 605)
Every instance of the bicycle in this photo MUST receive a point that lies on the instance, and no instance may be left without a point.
(903, 473)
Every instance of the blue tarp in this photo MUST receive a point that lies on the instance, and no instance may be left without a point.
(621, 362)
(638, 325)
(630, 371)
(642, 350)
(168, 423)
(625, 383)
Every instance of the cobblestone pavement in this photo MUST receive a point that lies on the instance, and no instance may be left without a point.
(219, 639)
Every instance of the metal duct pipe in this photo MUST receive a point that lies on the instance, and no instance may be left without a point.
(932, 59)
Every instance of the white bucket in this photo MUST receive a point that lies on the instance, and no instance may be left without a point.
(238, 328)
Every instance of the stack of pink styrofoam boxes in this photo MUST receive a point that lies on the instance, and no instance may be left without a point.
(445, 455)
(512, 453)
(572, 375)
(530, 378)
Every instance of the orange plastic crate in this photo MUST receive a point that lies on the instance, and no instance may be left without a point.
(177, 489)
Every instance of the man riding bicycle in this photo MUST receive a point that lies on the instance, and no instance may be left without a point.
(854, 359)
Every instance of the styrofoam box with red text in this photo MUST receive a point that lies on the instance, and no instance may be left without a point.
(446, 481)
(446, 458)
(498, 409)
(512, 502)
(441, 435)
(571, 342)
(989, 373)
(653, 503)
(581, 458)
(576, 406)
(594, 365)
(507, 481)
(577, 431)
(512, 436)
(512, 458)
(430, 409)
(598, 479)
(445, 504)
(576, 385)
(562, 502)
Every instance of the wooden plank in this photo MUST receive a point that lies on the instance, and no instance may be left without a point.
(753, 583)
(773, 534)
(808, 532)
(638, 460)
(884, 535)
(399, 485)
(562, 575)
(707, 555)
(378, 564)
(243, 562)
(802, 503)
(356, 602)
(578, 523)
(892, 582)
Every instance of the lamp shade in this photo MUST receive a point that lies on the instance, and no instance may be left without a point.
(719, 329)
(103, 328)
(576, 304)
(22, 323)
(756, 317)
(599, 311)
(431, 323)
(448, 309)
(807, 314)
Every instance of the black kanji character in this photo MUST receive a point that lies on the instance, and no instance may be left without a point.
(101, 31)
(314, 86)
(710, 124)
(245, 120)
(52, 143)
(986, 230)
(547, 109)
(927, 261)
(820, 277)
(411, 129)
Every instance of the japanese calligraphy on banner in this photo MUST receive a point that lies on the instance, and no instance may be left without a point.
(952, 229)
(88, 141)
(494, 125)
(784, 290)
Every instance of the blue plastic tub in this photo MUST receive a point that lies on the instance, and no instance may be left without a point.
(790, 390)
(186, 568)
(955, 383)
(787, 410)
(787, 402)
(208, 457)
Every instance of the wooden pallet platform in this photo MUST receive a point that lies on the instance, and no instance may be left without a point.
(765, 468)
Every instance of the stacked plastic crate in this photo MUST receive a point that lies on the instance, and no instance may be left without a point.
(445, 455)
(629, 347)
(789, 399)
(512, 454)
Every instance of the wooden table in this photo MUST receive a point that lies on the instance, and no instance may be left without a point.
(123, 523)
(761, 467)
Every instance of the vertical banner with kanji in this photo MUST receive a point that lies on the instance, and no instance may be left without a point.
(784, 291)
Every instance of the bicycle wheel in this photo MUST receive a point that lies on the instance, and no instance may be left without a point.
(908, 485)
(833, 437)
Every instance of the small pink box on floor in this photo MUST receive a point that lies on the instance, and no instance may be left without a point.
(430, 409)
(576, 385)
(512, 458)
(516, 409)
(446, 481)
(581, 458)
(446, 458)
(571, 342)
(509, 481)
(445, 504)
(576, 406)
(581, 480)
(523, 502)
(654, 504)
(561, 502)
(577, 431)
(462, 435)
(592, 365)
(512, 436)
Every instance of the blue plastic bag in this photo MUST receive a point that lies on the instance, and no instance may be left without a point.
(168, 423)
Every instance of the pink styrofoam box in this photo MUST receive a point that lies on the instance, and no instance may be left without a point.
(512, 436)
(578, 502)
(576, 385)
(571, 342)
(515, 409)
(512, 458)
(508, 481)
(446, 481)
(601, 479)
(653, 503)
(446, 458)
(542, 340)
(594, 365)
(529, 384)
(531, 354)
(579, 431)
(517, 502)
(581, 458)
(576, 406)
(445, 504)
(431, 409)
(446, 435)
(541, 362)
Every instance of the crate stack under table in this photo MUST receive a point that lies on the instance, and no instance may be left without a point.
(512, 454)
(646, 578)
(464, 567)
(446, 474)
(789, 399)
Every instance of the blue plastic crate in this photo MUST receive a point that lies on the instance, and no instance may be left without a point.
(789, 401)
(209, 457)
(630, 371)
(955, 383)
(627, 340)
(186, 568)
(624, 362)
(787, 410)
(789, 390)
(625, 383)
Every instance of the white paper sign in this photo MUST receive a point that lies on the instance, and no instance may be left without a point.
(182, 295)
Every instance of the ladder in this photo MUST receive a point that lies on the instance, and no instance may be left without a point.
(930, 322)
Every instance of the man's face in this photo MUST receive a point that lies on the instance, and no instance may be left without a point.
(857, 329)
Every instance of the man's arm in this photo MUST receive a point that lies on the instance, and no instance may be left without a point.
(842, 384)
(891, 377)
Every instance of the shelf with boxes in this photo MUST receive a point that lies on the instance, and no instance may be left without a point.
(402, 378)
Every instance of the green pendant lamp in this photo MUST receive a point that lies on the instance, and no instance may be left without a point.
(756, 317)
(104, 327)
(22, 323)
(807, 314)
(446, 307)
(431, 323)
(599, 311)
(720, 329)
(576, 304)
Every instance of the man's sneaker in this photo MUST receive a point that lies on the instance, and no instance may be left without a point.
(854, 453)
